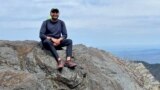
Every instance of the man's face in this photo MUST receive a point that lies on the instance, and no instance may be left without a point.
(54, 15)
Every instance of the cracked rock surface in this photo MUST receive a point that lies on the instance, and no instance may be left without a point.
(24, 65)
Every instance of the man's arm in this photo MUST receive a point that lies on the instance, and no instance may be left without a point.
(42, 31)
(64, 31)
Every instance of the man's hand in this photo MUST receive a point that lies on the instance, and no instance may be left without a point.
(61, 38)
(48, 37)
(56, 42)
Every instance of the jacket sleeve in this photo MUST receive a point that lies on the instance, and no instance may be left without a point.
(64, 31)
(42, 31)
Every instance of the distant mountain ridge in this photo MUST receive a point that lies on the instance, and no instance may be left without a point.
(147, 55)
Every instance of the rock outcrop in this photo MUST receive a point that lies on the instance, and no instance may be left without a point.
(153, 68)
(24, 65)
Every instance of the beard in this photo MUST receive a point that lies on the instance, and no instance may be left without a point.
(54, 17)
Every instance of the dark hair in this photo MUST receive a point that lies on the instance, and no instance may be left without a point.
(54, 10)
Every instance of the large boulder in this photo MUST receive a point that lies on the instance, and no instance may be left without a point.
(24, 65)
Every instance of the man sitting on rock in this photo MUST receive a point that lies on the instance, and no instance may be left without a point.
(53, 35)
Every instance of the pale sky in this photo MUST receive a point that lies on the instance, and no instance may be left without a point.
(96, 23)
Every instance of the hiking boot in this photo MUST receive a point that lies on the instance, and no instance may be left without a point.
(70, 64)
(60, 64)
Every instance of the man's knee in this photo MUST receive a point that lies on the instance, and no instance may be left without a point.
(46, 41)
(69, 41)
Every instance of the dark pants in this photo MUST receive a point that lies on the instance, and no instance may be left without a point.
(49, 46)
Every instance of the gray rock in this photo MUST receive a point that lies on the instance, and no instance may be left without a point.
(24, 65)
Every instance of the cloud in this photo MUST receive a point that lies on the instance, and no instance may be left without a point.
(118, 21)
